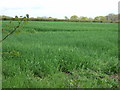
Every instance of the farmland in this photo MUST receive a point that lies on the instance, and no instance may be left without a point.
(61, 55)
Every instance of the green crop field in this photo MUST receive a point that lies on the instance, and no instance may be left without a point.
(61, 55)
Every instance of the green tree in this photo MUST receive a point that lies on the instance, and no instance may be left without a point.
(100, 18)
(90, 19)
(27, 15)
(83, 18)
(97, 18)
(74, 18)
(16, 17)
(66, 18)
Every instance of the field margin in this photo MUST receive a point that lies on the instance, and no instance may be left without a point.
(119, 43)
(1, 53)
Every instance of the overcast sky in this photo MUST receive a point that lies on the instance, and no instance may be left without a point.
(58, 8)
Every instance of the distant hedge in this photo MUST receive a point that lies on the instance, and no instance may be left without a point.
(5, 18)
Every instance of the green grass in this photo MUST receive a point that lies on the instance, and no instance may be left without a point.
(61, 55)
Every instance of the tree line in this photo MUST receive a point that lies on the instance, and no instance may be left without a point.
(110, 18)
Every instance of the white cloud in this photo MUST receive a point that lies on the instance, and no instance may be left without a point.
(58, 8)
